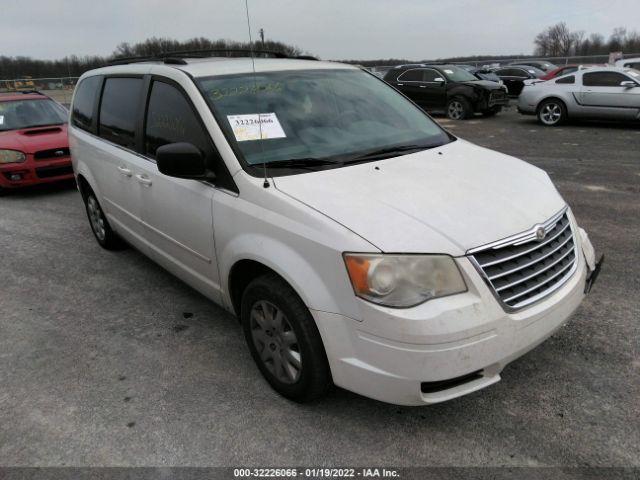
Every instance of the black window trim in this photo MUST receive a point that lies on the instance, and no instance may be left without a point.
(142, 124)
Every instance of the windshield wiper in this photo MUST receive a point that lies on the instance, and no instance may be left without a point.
(307, 163)
(387, 152)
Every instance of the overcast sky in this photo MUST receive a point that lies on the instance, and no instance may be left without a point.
(332, 29)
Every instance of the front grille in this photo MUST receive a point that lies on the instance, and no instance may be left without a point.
(48, 172)
(497, 96)
(52, 153)
(524, 269)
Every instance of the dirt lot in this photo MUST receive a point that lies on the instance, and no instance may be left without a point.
(106, 359)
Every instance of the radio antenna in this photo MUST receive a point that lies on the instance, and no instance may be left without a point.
(266, 183)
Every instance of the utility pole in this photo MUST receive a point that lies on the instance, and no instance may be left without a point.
(262, 37)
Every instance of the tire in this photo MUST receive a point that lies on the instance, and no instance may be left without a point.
(458, 108)
(100, 227)
(283, 339)
(552, 112)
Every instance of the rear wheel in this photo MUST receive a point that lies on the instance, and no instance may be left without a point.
(459, 108)
(100, 227)
(552, 112)
(283, 339)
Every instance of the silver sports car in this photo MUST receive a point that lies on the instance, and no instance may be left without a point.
(607, 93)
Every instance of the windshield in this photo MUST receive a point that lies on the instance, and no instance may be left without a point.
(457, 74)
(19, 114)
(310, 115)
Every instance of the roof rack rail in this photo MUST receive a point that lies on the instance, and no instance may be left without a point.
(177, 57)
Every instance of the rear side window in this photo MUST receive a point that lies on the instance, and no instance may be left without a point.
(413, 75)
(170, 119)
(567, 79)
(119, 110)
(83, 102)
(603, 79)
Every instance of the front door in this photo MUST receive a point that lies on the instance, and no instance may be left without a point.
(177, 213)
(602, 91)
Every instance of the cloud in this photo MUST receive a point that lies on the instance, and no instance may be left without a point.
(333, 29)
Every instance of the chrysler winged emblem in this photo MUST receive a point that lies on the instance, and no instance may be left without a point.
(540, 233)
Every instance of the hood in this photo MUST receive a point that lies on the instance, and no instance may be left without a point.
(444, 200)
(484, 84)
(31, 140)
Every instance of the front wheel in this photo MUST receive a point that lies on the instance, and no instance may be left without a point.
(283, 339)
(458, 109)
(552, 112)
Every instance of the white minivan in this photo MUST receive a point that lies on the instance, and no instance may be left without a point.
(358, 242)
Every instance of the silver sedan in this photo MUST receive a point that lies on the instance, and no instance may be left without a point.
(607, 93)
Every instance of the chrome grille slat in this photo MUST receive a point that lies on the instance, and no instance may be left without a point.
(538, 286)
(535, 274)
(521, 270)
(488, 264)
(533, 262)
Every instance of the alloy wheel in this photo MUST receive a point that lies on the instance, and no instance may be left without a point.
(550, 113)
(455, 111)
(276, 342)
(96, 218)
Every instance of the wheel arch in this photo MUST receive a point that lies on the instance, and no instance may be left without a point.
(552, 97)
(320, 285)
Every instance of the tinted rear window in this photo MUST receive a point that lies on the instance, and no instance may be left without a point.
(83, 102)
(119, 110)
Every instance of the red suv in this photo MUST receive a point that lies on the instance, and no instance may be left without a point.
(33, 141)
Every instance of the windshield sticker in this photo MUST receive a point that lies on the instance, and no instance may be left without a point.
(247, 127)
(450, 72)
(1, 119)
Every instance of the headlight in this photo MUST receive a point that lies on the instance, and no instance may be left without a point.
(12, 156)
(403, 280)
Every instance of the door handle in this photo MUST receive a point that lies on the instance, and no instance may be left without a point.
(400, 84)
(124, 171)
(422, 86)
(144, 180)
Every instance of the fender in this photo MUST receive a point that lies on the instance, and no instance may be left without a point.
(291, 265)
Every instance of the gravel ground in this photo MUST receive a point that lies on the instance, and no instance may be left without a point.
(106, 359)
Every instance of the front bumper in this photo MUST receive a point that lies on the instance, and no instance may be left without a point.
(32, 172)
(444, 348)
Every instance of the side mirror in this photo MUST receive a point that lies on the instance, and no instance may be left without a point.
(182, 160)
(628, 84)
(439, 79)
